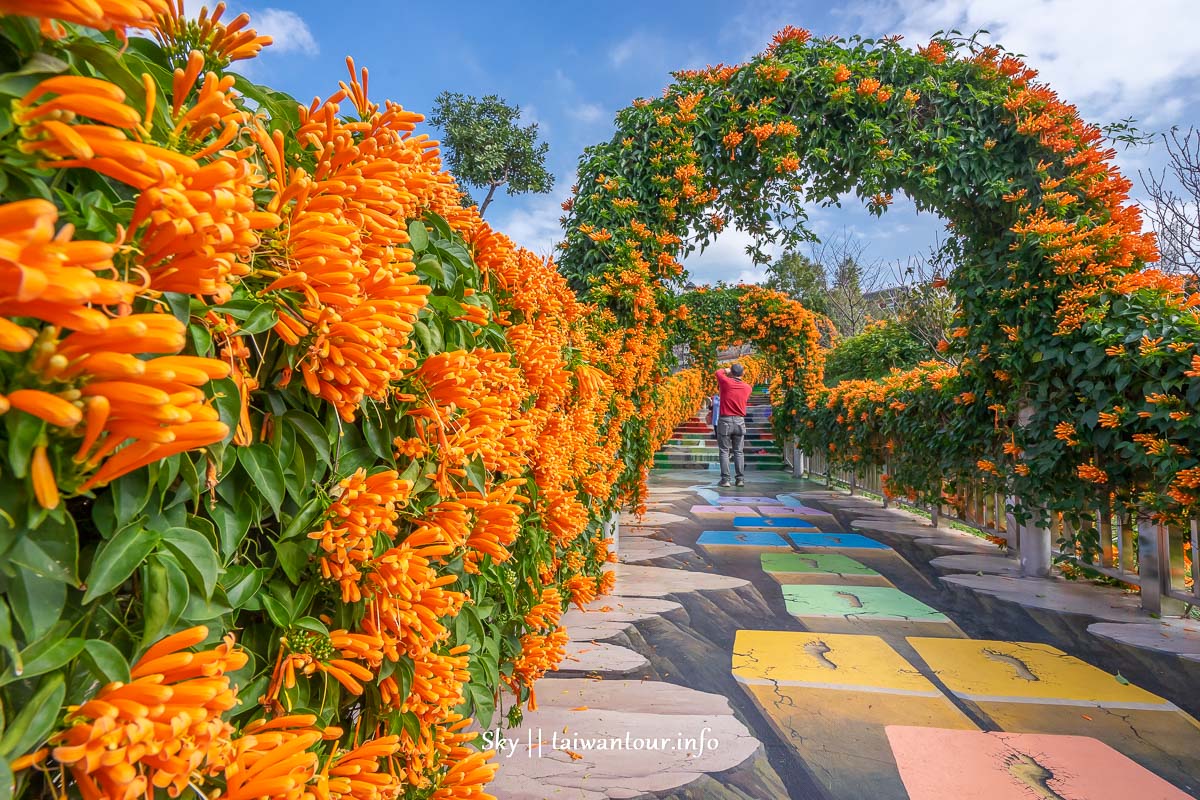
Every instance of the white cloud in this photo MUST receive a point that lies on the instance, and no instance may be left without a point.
(587, 113)
(1112, 58)
(534, 223)
(287, 28)
(725, 259)
(625, 49)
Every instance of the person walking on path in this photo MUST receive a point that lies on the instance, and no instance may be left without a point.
(731, 427)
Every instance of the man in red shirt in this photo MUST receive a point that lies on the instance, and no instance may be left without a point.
(731, 428)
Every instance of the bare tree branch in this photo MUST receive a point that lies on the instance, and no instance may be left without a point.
(1174, 207)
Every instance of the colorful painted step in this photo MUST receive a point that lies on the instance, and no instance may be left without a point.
(843, 541)
(740, 500)
(881, 610)
(832, 697)
(754, 522)
(1036, 688)
(720, 512)
(742, 539)
(787, 511)
(792, 502)
(997, 765)
(820, 568)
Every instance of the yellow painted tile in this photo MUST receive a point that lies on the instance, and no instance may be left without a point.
(982, 670)
(829, 660)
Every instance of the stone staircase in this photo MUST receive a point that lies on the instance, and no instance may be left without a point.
(694, 444)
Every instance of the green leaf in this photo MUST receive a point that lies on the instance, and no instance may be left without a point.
(277, 611)
(293, 557)
(312, 624)
(232, 523)
(477, 474)
(7, 642)
(312, 430)
(418, 235)
(23, 433)
(41, 66)
(105, 661)
(430, 268)
(263, 317)
(196, 555)
(51, 551)
(45, 655)
(36, 720)
(262, 465)
(241, 584)
(117, 558)
(305, 519)
(37, 602)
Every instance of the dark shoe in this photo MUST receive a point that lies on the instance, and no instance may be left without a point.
(740, 482)
(724, 483)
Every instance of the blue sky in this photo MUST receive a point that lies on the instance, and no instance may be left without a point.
(571, 66)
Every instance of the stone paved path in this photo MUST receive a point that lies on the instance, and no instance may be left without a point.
(785, 641)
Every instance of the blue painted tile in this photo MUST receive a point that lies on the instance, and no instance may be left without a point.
(783, 523)
(837, 540)
(743, 539)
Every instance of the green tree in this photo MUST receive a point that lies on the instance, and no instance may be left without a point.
(485, 147)
(801, 279)
(872, 354)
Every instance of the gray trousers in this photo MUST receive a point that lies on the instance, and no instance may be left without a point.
(731, 433)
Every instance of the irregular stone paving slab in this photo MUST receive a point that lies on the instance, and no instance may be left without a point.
(1036, 688)
(642, 548)
(650, 518)
(720, 512)
(963, 544)
(820, 568)
(1017, 766)
(639, 530)
(1055, 594)
(742, 539)
(636, 580)
(611, 734)
(831, 697)
(601, 659)
(757, 523)
(915, 529)
(607, 617)
(970, 562)
(846, 541)
(1177, 636)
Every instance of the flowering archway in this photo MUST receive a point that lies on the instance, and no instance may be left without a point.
(1049, 252)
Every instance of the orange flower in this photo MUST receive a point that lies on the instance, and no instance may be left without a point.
(161, 730)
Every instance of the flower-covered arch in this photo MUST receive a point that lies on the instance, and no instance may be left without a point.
(1049, 252)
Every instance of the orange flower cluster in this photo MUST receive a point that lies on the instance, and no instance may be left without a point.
(89, 383)
(161, 730)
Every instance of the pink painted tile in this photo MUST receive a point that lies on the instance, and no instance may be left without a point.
(978, 765)
(721, 511)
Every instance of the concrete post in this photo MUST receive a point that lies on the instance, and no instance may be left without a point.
(797, 465)
(1035, 551)
(1150, 566)
(612, 530)
(1012, 528)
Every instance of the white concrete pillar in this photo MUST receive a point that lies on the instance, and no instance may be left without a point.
(1035, 551)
